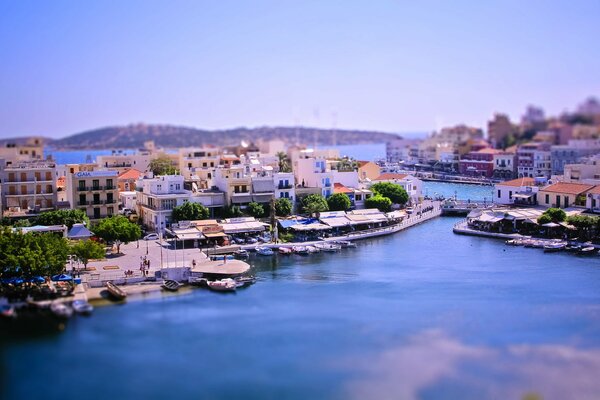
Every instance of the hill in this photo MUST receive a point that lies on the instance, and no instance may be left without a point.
(169, 136)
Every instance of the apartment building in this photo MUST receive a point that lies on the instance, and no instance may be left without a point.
(197, 164)
(573, 153)
(28, 186)
(534, 159)
(94, 192)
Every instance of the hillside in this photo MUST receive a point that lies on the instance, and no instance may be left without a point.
(134, 136)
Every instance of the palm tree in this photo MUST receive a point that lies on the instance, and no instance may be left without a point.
(284, 162)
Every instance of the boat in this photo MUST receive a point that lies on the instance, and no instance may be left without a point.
(553, 247)
(244, 281)
(82, 307)
(171, 285)
(587, 251)
(344, 244)
(300, 250)
(8, 311)
(115, 291)
(241, 254)
(572, 247)
(312, 249)
(285, 251)
(61, 310)
(328, 247)
(223, 285)
(264, 251)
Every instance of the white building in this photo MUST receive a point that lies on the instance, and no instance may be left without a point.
(95, 192)
(313, 173)
(412, 185)
(517, 191)
(28, 186)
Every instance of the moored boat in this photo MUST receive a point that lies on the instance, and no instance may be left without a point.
(328, 247)
(241, 254)
(223, 285)
(171, 285)
(61, 310)
(588, 251)
(312, 249)
(264, 251)
(8, 311)
(244, 281)
(345, 244)
(300, 250)
(82, 307)
(553, 247)
(115, 291)
(284, 251)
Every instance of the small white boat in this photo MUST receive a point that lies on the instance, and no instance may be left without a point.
(264, 251)
(61, 310)
(115, 291)
(223, 285)
(553, 247)
(241, 254)
(285, 251)
(82, 307)
(328, 247)
(300, 249)
(588, 251)
(344, 244)
(8, 311)
(171, 285)
(312, 249)
(244, 281)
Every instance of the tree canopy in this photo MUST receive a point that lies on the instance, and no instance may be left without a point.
(162, 166)
(552, 215)
(189, 211)
(314, 203)
(284, 162)
(339, 202)
(283, 207)
(383, 204)
(256, 210)
(31, 254)
(396, 193)
(117, 229)
(86, 250)
(63, 217)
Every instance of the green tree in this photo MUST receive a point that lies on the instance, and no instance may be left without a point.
(396, 193)
(86, 250)
(189, 211)
(231, 212)
(63, 217)
(31, 254)
(339, 202)
(383, 204)
(585, 224)
(552, 215)
(314, 203)
(256, 210)
(162, 166)
(284, 162)
(117, 229)
(283, 207)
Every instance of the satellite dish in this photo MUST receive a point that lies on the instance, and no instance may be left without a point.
(244, 144)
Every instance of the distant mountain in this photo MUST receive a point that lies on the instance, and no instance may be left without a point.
(169, 136)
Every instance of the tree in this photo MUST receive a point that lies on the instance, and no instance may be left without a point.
(314, 203)
(162, 166)
(189, 211)
(396, 193)
(231, 212)
(117, 229)
(31, 254)
(383, 204)
(584, 224)
(256, 210)
(284, 162)
(63, 217)
(347, 165)
(283, 207)
(552, 215)
(86, 250)
(339, 202)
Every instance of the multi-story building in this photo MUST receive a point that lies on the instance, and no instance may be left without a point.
(313, 172)
(412, 185)
(121, 160)
(402, 150)
(156, 198)
(573, 153)
(478, 164)
(197, 164)
(499, 129)
(505, 166)
(235, 183)
(28, 186)
(587, 172)
(533, 159)
(521, 191)
(285, 186)
(94, 192)
(368, 170)
(127, 179)
(31, 150)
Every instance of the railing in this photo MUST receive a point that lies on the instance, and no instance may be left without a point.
(28, 193)
(284, 186)
(95, 188)
(96, 202)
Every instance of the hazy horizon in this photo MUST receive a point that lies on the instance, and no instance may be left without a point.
(395, 67)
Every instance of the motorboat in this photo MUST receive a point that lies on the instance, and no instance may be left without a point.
(244, 281)
(328, 247)
(264, 251)
(573, 247)
(588, 251)
(251, 240)
(171, 285)
(344, 244)
(300, 250)
(241, 253)
(223, 285)
(82, 307)
(61, 310)
(554, 247)
(312, 249)
(285, 251)
(115, 291)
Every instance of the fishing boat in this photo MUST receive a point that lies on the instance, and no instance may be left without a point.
(61, 310)
(300, 250)
(344, 244)
(312, 249)
(554, 247)
(588, 251)
(115, 291)
(82, 307)
(223, 285)
(241, 254)
(171, 285)
(264, 251)
(328, 247)
(285, 251)
(244, 281)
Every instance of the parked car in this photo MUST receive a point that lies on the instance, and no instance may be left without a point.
(152, 236)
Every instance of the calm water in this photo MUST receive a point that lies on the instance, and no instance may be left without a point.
(462, 191)
(421, 314)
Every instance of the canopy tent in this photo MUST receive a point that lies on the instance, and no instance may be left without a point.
(79, 231)
(243, 227)
(310, 227)
(523, 196)
(551, 225)
(336, 222)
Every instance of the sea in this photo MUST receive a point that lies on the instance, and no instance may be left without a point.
(421, 314)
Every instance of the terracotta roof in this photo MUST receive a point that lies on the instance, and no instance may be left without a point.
(518, 182)
(131, 173)
(339, 188)
(361, 163)
(568, 188)
(388, 176)
(595, 190)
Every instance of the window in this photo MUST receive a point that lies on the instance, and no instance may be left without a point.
(547, 199)
(109, 198)
(510, 194)
(109, 211)
(96, 213)
(95, 184)
(96, 198)
(109, 184)
(499, 193)
(82, 200)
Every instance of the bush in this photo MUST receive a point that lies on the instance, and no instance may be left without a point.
(283, 207)
(63, 217)
(339, 202)
(552, 215)
(383, 204)
(396, 193)
(314, 203)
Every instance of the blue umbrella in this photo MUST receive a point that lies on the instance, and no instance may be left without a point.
(12, 281)
(62, 278)
(36, 279)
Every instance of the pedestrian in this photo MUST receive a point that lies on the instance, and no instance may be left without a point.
(148, 269)
(194, 263)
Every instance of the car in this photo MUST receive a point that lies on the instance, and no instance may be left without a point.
(152, 236)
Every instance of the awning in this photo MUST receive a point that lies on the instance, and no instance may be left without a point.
(244, 227)
(262, 197)
(336, 222)
(490, 218)
(310, 227)
(240, 198)
(215, 235)
(551, 225)
(523, 196)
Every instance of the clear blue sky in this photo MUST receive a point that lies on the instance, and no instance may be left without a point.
(68, 66)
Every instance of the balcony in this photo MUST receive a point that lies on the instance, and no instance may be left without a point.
(95, 188)
(28, 193)
(282, 187)
(96, 202)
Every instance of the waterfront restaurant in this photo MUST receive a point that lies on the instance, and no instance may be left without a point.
(243, 225)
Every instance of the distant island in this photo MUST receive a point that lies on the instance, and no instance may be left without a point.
(170, 136)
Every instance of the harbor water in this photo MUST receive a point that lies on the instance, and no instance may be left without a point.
(420, 314)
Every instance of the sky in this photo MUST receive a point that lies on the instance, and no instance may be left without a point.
(394, 66)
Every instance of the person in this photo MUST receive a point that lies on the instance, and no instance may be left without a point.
(194, 263)
(148, 267)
